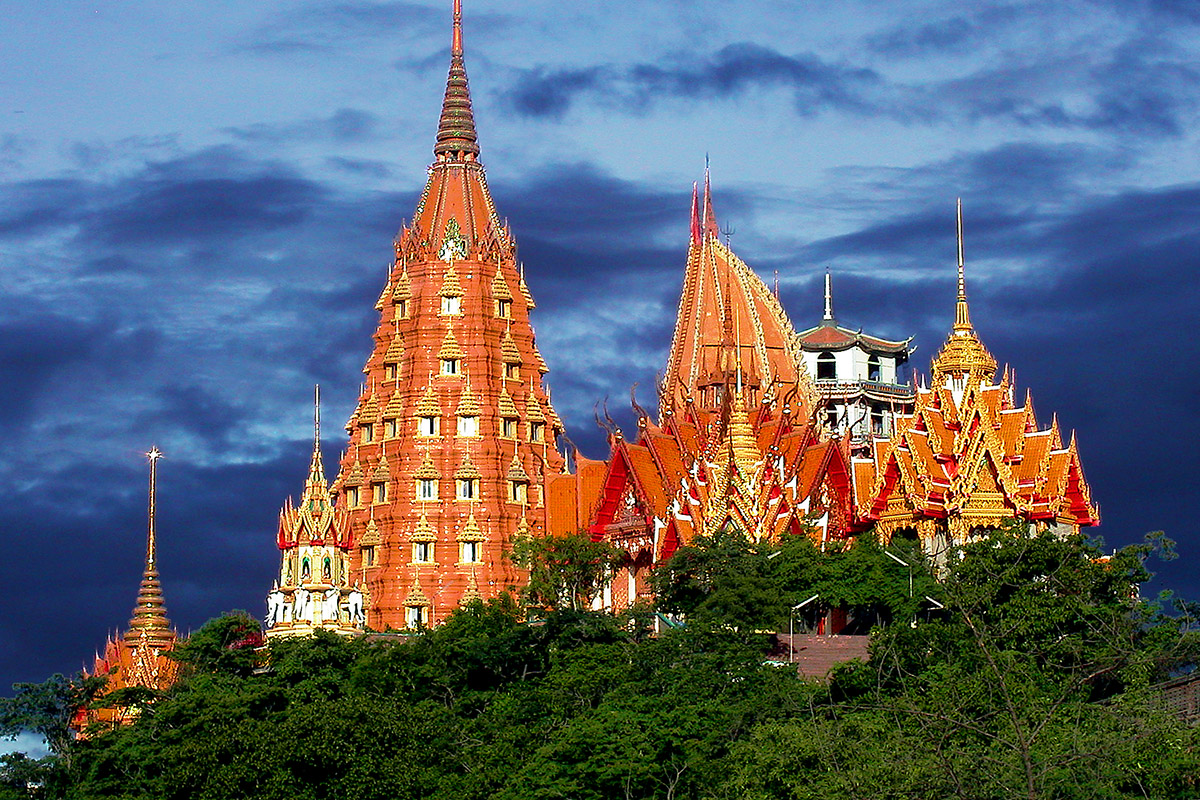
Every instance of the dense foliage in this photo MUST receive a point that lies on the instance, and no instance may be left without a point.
(1035, 681)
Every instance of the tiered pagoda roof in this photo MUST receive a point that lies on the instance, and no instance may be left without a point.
(139, 658)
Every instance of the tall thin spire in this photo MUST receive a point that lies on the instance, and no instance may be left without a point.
(456, 138)
(696, 233)
(149, 620)
(828, 297)
(962, 316)
(711, 228)
(316, 468)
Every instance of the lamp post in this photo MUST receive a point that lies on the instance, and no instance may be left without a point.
(904, 563)
(792, 627)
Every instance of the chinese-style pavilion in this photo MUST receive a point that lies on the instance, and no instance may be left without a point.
(454, 434)
(969, 457)
(857, 376)
(139, 658)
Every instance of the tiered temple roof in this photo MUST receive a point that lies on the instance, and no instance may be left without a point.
(735, 446)
(455, 346)
(969, 457)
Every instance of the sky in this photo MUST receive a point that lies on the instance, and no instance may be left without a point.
(197, 204)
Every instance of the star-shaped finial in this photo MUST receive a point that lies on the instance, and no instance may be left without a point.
(155, 454)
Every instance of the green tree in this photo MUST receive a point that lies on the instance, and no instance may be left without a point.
(565, 572)
(47, 709)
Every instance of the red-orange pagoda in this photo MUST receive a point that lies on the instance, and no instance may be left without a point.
(454, 434)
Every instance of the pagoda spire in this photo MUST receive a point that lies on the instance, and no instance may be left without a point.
(962, 315)
(149, 621)
(316, 469)
(456, 138)
(711, 228)
(828, 298)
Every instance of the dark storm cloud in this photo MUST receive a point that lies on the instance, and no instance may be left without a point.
(216, 194)
(31, 207)
(946, 36)
(344, 125)
(196, 410)
(580, 205)
(35, 345)
(362, 167)
(815, 83)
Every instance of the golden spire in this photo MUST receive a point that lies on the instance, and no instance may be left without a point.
(149, 620)
(316, 470)
(962, 316)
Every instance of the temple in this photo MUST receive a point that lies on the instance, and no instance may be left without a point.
(139, 658)
(454, 434)
(968, 457)
(760, 430)
(313, 589)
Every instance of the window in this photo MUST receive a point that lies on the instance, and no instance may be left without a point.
(468, 426)
(427, 489)
(451, 306)
(351, 497)
(504, 308)
(391, 429)
(368, 432)
(470, 553)
(877, 420)
(380, 492)
(508, 427)
(427, 426)
(449, 366)
(401, 309)
(368, 556)
(389, 372)
(537, 431)
(874, 368)
(415, 616)
(518, 491)
(467, 489)
(831, 416)
(423, 552)
(512, 372)
(826, 367)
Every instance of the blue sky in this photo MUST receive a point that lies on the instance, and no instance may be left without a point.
(197, 205)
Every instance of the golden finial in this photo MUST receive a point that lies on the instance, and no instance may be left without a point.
(962, 316)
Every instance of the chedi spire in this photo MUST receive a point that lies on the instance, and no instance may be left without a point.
(456, 138)
(149, 621)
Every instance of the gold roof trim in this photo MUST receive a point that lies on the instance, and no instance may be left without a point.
(450, 349)
(450, 285)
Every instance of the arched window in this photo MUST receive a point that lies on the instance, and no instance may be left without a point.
(826, 367)
(874, 369)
